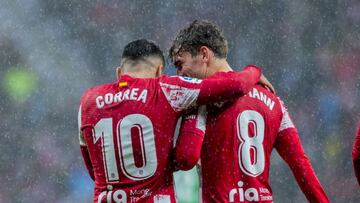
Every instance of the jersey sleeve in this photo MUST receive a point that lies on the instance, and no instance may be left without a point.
(83, 148)
(80, 134)
(289, 147)
(188, 145)
(356, 155)
(228, 85)
(185, 92)
(286, 122)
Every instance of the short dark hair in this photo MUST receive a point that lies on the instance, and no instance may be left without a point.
(139, 49)
(197, 34)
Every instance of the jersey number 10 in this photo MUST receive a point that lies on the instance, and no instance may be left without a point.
(143, 125)
(251, 150)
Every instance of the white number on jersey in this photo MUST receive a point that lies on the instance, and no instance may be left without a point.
(104, 130)
(251, 150)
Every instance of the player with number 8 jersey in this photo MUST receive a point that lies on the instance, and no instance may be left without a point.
(239, 139)
(127, 127)
(240, 135)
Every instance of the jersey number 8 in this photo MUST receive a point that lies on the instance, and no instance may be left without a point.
(251, 150)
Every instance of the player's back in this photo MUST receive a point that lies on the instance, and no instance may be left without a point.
(128, 127)
(239, 138)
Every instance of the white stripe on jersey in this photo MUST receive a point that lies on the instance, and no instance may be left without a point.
(177, 131)
(81, 136)
(286, 121)
(179, 98)
(201, 118)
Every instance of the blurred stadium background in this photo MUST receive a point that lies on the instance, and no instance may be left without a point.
(51, 51)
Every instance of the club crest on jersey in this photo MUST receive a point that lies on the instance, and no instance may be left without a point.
(190, 79)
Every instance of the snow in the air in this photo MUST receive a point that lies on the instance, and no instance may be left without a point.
(52, 51)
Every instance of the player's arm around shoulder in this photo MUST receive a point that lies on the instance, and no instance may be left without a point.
(186, 92)
(224, 86)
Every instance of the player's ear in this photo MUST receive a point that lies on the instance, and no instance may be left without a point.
(205, 53)
(118, 72)
(159, 70)
(178, 72)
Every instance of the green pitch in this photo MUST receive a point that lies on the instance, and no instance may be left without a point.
(187, 186)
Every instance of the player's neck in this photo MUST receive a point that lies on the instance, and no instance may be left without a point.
(140, 71)
(142, 74)
(219, 65)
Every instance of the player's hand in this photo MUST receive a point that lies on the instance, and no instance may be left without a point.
(264, 82)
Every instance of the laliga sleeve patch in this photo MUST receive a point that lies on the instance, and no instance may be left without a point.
(190, 80)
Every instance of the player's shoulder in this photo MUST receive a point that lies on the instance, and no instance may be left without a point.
(221, 74)
(180, 80)
(94, 91)
(271, 100)
(282, 104)
(230, 74)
